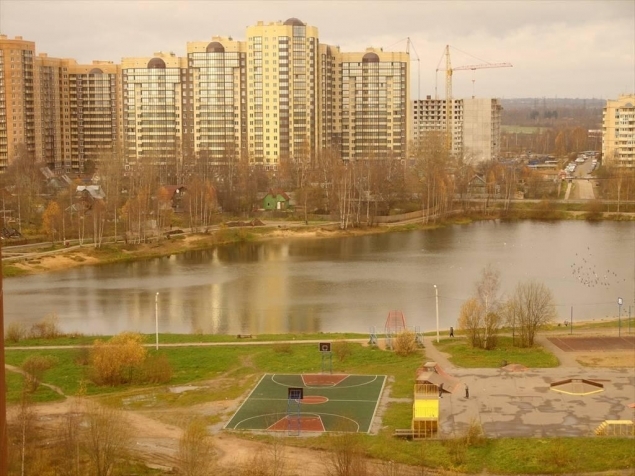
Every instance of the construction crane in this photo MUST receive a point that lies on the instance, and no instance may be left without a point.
(449, 104)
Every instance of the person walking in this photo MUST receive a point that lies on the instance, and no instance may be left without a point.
(451, 331)
(467, 391)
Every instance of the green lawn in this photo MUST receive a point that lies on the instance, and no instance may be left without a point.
(462, 355)
(241, 366)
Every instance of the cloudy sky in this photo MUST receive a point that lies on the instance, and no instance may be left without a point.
(566, 48)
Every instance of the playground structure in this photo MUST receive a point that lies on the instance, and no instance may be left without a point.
(616, 428)
(395, 324)
(431, 383)
(425, 411)
(432, 373)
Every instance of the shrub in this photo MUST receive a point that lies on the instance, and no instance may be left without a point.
(282, 348)
(346, 457)
(35, 366)
(47, 328)
(342, 350)
(15, 332)
(157, 369)
(116, 361)
(405, 343)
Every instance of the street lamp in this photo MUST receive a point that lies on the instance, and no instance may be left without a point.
(619, 316)
(156, 319)
(436, 296)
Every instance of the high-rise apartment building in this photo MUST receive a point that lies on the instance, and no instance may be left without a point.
(17, 99)
(279, 94)
(218, 86)
(481, 129)
(375, 101)
(429, 116)
(618, 131)
(154, 105)
(476, 125)
(95, 106)
(282, 91)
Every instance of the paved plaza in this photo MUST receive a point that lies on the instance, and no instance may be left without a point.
(522, 403)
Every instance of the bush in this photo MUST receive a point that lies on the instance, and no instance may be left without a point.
(15, 332)
(342, 350)
(35, 366)
(405, 343)
(282, 348)
(115, 362)
(47, 328)
(157, 369)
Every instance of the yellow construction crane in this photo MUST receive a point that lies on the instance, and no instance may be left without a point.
(449, 104)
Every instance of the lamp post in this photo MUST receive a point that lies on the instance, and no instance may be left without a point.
(619, 316)
(436, 296)
(156, 319)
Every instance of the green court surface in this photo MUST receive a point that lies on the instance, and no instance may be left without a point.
(330, 403)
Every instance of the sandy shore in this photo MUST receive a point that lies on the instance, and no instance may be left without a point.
(34, 263)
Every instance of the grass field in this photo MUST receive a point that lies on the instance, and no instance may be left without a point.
(463, 355)
(228, 372)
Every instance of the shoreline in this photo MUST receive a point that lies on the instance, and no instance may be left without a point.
(109, 253)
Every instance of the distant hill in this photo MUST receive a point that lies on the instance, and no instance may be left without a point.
(537, 103)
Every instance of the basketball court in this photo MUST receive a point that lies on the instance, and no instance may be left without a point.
(310, 403)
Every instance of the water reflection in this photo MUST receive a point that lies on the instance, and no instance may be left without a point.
(338, 284)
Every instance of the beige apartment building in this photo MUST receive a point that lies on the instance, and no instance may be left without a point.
(17, 98)
(618, 131)
(282, 91)
(155, 104)
(374, 106)
(278, 94)
(217, 128)
(476, 125)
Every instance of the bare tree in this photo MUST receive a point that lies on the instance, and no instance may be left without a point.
(195, 450)
(470, 321)
(106, 439)
(51, 220)
(480, 316)
(530, 308)
(347, 457)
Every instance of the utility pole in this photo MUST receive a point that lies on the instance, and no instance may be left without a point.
(4, 439)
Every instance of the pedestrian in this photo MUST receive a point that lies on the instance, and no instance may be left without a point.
(467, 391)
(441, 391)
(451, 331)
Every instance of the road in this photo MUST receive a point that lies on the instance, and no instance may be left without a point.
(581, 189)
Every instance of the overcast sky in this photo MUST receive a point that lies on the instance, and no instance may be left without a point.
(567, 48)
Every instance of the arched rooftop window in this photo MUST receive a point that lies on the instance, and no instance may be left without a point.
(156, 63)
(293, 22)
(215, 47)
(95, 71)
(370, 58)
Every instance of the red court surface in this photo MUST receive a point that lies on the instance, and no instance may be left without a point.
(582, 344)
(303, 423)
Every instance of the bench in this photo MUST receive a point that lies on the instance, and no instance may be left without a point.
(244, 336)
(408, 434)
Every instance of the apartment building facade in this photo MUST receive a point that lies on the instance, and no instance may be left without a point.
(618, 131)
(475, 125)
(279, 94)
(374, 103)
(17, 98)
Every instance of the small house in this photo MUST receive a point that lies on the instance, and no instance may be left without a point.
(275, 200)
